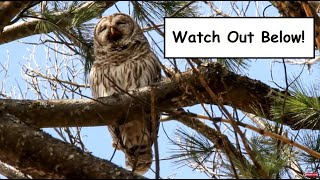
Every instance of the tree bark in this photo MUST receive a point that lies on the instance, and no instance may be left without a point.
(11, 173)
(28, 28)
(39, 155)
(9, 9)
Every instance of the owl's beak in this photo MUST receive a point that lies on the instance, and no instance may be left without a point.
(114, 34)
(112, 31)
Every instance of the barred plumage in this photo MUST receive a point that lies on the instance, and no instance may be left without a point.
(123, 59)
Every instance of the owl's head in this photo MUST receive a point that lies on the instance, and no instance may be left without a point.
(118, 28)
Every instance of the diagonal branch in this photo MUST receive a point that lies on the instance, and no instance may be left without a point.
(11, 173)
(10, 9)
(38, 154)
(220, 141)
(29, 27)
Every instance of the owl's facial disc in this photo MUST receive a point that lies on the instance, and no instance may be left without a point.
(115, 30)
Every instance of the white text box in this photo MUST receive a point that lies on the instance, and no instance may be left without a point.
(239, 37)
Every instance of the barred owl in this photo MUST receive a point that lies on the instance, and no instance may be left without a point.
(124, 61)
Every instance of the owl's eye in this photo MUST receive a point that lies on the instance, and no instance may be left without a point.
(120, 22)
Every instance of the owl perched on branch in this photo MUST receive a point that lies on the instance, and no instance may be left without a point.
(123, 62)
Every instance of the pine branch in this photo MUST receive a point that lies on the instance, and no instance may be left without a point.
(220, 141)
(39, 155)
(276, 136)
(216, 97)
(29, 27)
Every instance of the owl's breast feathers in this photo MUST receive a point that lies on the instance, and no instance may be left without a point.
(116, 54)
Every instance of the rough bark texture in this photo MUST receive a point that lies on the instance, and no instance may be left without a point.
(234, 90)
(9, 9)
(11, 173)
(28, 28)
(37, 154)
(289, 8)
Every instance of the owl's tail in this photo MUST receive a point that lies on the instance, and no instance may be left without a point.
(141, 162)
(137, 142)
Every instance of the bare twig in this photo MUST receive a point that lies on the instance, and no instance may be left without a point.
(155, 134)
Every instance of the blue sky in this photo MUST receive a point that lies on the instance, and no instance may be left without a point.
(97, 139)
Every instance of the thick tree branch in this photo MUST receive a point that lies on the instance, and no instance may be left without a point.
(38, 154)
(29, 27)
(9, 9)
(234, 90)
